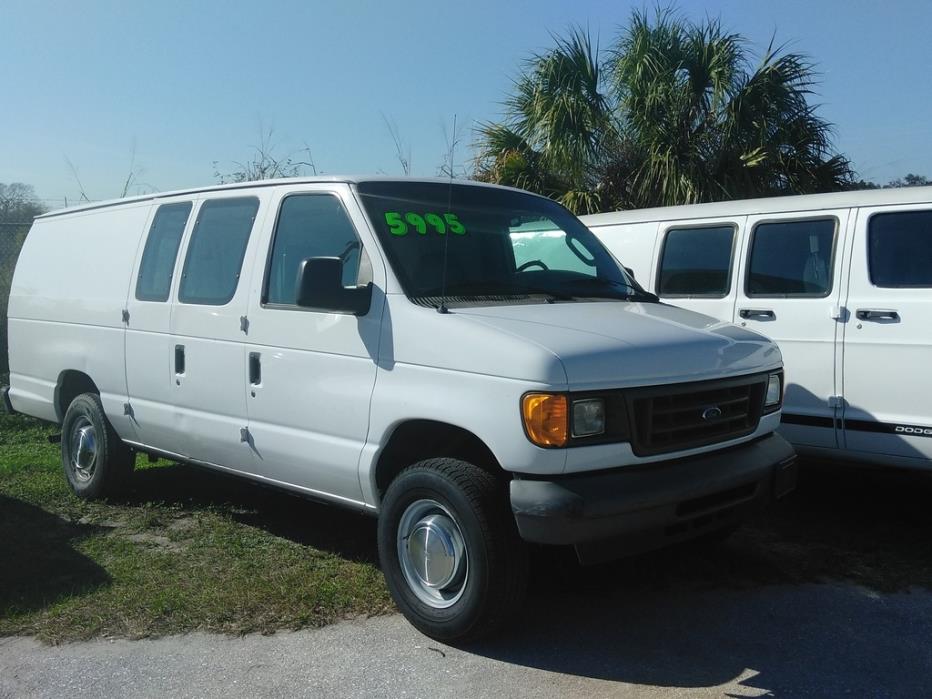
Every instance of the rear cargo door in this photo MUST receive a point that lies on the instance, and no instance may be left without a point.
(149, 378)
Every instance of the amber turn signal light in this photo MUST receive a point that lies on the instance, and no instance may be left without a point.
(545, 419)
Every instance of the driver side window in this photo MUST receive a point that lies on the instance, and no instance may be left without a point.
(535, 250)
(312, 225)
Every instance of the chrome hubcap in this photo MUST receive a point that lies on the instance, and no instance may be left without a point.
(83, 449)
(432, 553)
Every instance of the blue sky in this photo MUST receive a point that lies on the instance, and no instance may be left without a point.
(189, 83)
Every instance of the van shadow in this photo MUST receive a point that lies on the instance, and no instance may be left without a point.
(812, 640)
(38, 561)
(773, 608)
(321, 526)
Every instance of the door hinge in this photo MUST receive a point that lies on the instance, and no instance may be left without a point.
(244, 434)
(839, 313)
(836, 402)
(128, 409)
(126, 316)
(244, 324)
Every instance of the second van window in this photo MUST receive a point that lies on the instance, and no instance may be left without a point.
(792, 258)
(215, 254)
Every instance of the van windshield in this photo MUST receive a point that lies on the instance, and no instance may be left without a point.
(501, 246)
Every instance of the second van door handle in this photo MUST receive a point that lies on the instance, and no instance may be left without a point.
(255, 369)
(757, 313)
(876, 314)
(179, 359)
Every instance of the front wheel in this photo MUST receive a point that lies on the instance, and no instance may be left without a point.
(450, 550)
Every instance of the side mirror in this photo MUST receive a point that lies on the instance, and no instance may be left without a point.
(320, 287)
(630, 272)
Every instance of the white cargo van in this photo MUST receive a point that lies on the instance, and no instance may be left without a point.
(413, 349)
(842, 282)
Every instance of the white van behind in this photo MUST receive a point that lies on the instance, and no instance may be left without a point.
(842, 282)
(415, 350)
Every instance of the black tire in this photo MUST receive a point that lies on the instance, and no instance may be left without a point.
(106, 460)
(494, 583)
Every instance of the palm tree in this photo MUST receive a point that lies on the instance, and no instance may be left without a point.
(671, 114)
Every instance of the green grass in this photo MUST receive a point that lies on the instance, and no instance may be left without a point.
(186, 549)
(182, 550)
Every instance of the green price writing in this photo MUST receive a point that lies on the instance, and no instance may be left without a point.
(399, 224)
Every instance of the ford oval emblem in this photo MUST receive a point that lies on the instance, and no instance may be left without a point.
(713, 412)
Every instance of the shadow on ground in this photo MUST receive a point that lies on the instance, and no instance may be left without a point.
(321, 526)
(809, 640)
(38, 561)
(765, 607)
(871, 527)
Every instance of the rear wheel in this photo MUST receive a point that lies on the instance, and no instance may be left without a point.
(450, 550)
(95, 459)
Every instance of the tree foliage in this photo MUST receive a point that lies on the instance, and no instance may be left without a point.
(909, 180)
(673, 112)
(266, 163)
(19, 203)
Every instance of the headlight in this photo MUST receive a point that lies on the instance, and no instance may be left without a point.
(545, 418)
(588, 417)
(774, 391)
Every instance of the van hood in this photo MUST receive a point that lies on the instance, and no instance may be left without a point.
(597, 344)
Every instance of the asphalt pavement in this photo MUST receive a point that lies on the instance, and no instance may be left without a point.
(819, 640)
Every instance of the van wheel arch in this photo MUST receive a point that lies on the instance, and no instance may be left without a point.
(71, 384)
(417, 440)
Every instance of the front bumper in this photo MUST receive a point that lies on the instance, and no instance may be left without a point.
(637, 508)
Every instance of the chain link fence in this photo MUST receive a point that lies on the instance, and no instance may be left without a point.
(12, 236)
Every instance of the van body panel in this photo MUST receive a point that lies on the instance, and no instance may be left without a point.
(66, 309)
(887, 382)
(210, 415)
(633, 247)
(806, 331)
(309, 410)
(610, 344)
(855, 388)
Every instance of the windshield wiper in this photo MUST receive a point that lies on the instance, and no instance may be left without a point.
(552, 296)
(481, 290)
(632, 293)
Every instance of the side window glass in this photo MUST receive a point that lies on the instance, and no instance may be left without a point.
(311, 225)
(792, 258)
(215, 253)
(159, 255)
(900, 249)
(696, 262)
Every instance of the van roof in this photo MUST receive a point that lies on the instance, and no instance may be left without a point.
(342, 179)
(768, 205)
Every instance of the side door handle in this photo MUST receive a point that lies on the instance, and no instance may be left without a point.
(757, 313)
(179, 360)
(255, 369)
(877, 314)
